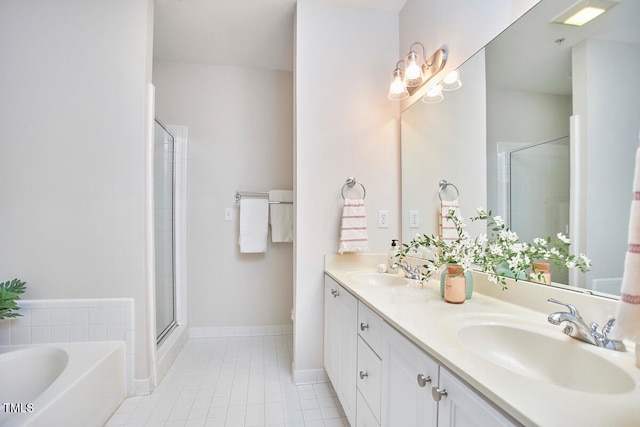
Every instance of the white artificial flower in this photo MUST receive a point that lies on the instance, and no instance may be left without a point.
(540, 241)
(564, 238)
(498, 220)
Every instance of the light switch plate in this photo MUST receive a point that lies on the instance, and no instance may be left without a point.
(228, 214)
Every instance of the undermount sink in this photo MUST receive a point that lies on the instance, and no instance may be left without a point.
(544, 358)
(378, 279)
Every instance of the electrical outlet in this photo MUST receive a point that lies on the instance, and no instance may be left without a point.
(414, 219)
(383, 219)
(228, 214)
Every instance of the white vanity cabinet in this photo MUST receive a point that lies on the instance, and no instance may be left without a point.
(417, 391)
(408, 377)
(383, 379)
(463, 407)
(340, 343)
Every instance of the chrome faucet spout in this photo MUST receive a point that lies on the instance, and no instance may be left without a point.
(409, 273)
(577, 328)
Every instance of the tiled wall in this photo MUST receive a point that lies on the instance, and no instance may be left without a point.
(74, 320)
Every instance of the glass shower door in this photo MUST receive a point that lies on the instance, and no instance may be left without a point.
(539, 193)
(164, 153)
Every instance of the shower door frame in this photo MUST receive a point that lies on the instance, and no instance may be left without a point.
(160, 337)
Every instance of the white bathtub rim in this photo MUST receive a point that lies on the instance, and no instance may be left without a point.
(83, 358)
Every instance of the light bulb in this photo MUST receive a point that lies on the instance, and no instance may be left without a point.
(412, 71)
(397, 89)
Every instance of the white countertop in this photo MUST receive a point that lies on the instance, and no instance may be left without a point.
(425, 318)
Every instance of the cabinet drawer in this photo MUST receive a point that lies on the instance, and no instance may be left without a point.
(369, 327)
(369, 377)
(364, 416)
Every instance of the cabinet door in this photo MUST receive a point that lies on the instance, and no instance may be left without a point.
(340, 344)
(330, 329)
(464, 407)
(407, 377)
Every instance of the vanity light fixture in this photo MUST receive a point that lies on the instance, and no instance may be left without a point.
(414, 63)
(433, 95)
(416, 72)
(584, 11)
(397, 89)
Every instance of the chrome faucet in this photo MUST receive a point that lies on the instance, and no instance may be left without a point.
(577, 328)
(409, 273)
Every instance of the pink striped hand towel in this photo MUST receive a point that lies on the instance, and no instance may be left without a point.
(628, 312)
(353, 232)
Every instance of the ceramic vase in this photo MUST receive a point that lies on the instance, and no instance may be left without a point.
(468, 282)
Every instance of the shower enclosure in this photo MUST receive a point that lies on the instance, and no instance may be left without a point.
(538, 192)
(164, 209)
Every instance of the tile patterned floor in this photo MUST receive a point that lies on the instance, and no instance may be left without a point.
(236, 381)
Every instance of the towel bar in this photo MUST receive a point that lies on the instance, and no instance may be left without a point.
(350, 182)
(443, 185)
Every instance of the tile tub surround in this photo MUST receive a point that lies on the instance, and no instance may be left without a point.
(74, 320)
(421, 315)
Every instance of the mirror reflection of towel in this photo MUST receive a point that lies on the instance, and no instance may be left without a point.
(448, 230)
(254, 225)
(353, 232)
(281, 215)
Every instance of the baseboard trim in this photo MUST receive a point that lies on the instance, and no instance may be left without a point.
(309, 376)
(239, 331)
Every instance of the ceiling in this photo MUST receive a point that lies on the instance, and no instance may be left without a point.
(534, 54)
(245, 33)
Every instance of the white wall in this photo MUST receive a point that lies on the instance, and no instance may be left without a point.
(72, 181)
(612, 139)
(240, 138)
(345, 126)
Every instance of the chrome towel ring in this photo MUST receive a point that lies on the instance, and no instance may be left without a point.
(350, 182)
(443, 185)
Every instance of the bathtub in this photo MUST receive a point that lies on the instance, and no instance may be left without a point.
(75, 384)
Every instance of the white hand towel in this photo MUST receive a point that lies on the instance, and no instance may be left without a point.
(254, 225)
(628, 313)
(447, 227)
(281, 215)
(353, 232)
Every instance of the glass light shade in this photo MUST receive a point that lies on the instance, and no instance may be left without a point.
(451, 81)
(397, 89)
(413, 72)
(433, 95)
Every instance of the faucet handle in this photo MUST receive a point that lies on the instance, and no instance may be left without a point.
(571, 308)
(608, 326)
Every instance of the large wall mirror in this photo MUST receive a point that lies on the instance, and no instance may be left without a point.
(543, 132)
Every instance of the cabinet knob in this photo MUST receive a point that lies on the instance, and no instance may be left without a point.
(363, 374)
(422, 380)
(335, 293)
(437, 393)
(364, 326)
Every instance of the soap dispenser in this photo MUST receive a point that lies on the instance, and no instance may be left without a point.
(392, 256)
